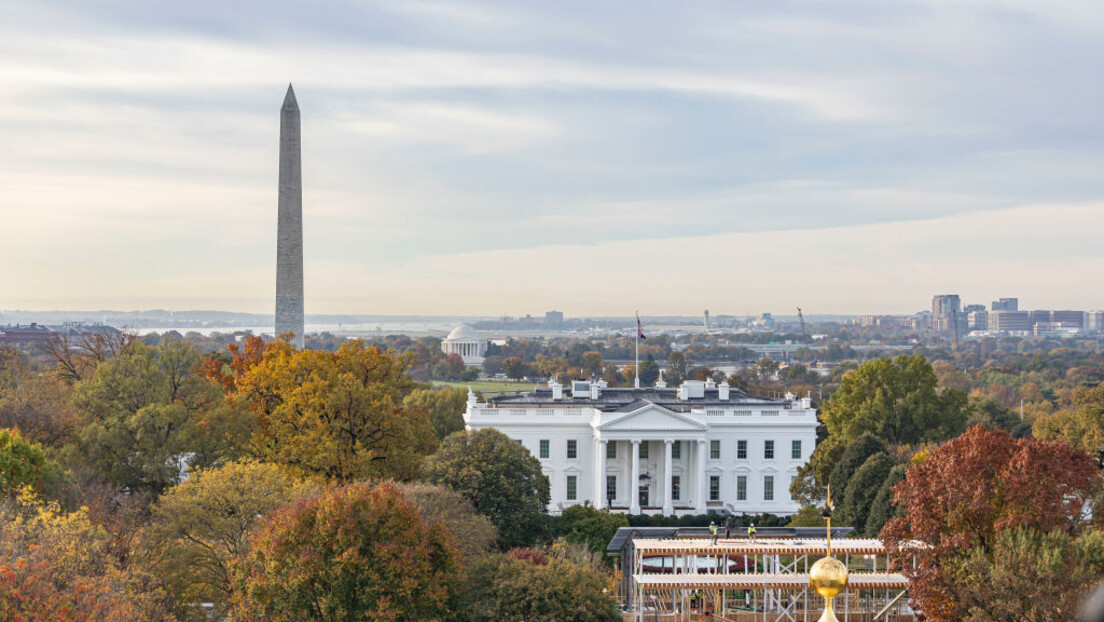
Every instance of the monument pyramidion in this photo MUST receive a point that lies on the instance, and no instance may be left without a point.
(289, 232)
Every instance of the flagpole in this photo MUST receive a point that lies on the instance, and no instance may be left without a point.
(637, 369)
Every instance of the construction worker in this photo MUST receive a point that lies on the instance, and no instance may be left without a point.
(713, 530)
(751, 532)
(730, 524)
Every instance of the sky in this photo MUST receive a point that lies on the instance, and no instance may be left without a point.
(595, 157)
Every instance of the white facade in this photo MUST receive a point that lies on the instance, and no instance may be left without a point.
(468, 343)
(696, 449)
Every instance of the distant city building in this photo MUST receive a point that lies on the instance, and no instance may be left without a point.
(947, 314)
(1055, 330)
(553, 317)
(978, 319)
(1094, 321)
(1010, 321)
(705, 320)
(1070, 318)
(466, 342)
(697, 448)
(1006, 304)
(968, 309)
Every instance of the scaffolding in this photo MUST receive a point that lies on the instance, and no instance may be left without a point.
(759, 580)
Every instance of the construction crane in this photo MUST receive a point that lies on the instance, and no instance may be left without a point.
(802, 318)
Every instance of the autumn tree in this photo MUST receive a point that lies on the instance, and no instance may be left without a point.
(149, 413)
(356, 553)
(649, 371)
(445, 406)
(565, 584)
(501, 479)
(474, 534)
(896, 400)
(959, 500)
(24, 464)
(593, 364)
(587, 525)
(200, 526)
(1080, 425)
(339, 415)
(514, 367)
(41, 406)
(676, 368)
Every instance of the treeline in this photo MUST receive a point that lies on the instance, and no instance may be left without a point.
(270, 483)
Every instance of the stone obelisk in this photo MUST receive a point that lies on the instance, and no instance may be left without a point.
(289, 232)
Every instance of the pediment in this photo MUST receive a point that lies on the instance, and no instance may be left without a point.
(653, 417)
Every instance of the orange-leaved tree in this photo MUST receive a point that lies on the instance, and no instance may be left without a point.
(967, 493)
(357, 553)
(335, 414)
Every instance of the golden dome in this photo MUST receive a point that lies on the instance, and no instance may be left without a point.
(828, 576)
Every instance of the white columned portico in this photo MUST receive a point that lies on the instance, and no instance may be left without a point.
(600, 481)
(668, 504)
(634, 481)
(700, 455)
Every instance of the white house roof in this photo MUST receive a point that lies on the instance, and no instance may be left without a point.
(463, 331)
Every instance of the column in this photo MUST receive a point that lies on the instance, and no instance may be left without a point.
(668, 504)
(703, 493)
(634, 481)
(600, 474)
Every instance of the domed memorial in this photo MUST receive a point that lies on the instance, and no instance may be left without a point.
(467, 342)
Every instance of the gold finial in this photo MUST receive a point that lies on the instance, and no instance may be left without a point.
(828, 576)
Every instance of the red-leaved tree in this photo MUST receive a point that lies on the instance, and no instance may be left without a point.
(971, 489)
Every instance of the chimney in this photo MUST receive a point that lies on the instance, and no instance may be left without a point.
(722, 390)
(557, 389)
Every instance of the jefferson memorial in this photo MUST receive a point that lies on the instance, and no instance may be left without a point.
(468, 343)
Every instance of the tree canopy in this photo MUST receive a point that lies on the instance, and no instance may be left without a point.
(501, 479)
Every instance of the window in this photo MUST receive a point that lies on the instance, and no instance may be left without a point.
(715, 450)
(795, 450)
(572, 488)
(572, 449)
(768, 488)
(714, 412)
(611, 487)
(741, 450)
(611, 450)
(676, 487)
(714, 487)
(741, 487)
(644, 449)
(544, 448)
(768, 450)
(676, 450)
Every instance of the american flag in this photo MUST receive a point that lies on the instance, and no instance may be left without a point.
(639, 328)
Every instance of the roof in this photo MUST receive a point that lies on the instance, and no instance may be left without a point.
(740, 581)
(463, 331)
(636, 533)
(621, 399)
(761, 546)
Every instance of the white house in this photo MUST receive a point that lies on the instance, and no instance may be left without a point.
(468, 343)
(691, 450)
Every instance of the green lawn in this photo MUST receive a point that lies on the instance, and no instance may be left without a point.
(489, 385)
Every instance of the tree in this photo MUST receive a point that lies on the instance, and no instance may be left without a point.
(896, 400)
(1081, 425)
(500, 477)
(357, 553)
(587, 525)
(24, 464)
(1029, 575)
(473, 533)
(56, 567)
(852, 458)
(862, 488)
(445, 406)
(969, 490)
(649, 371)
(593, 363)
(148, 413)
(562, 585)
(200, 526)
(42, 408)
(515, 368)
(13, 369)
(883, 508)
(339, 415)
(809, 487)
(676, 368)
(807, 516)
(987, 412)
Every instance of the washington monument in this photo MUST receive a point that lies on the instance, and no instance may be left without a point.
(289, 231)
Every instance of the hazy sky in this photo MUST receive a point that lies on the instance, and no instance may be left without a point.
(594, 157)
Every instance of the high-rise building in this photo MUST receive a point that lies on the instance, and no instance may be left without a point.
(1068, 318)
(1010, 321)
(946, 311)
(978, 320)
(705, 320)
(289, 230)
(553, 317)
(1006, 304)
(972, 308)
(1094, 321)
